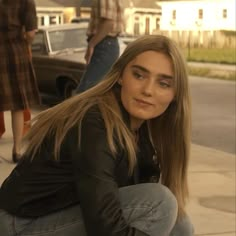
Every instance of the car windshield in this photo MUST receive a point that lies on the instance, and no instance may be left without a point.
(67, 38)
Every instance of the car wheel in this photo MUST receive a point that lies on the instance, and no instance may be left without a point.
(69, 89)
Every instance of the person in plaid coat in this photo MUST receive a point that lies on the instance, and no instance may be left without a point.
(19, 90)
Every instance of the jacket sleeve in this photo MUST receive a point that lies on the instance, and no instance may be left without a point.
(96, 185)
(30, 16)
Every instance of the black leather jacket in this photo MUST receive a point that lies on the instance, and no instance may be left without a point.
(89, 176)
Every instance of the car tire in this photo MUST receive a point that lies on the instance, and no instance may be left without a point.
(69, 89)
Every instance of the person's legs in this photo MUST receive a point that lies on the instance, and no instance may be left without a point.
(6, 223)
(151, 208)
(2, 124)
(17, 129)
(66, 222)
(183, 227)
(62, 223)
(105, 54)
(27, 118)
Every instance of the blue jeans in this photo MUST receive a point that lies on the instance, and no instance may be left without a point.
(151, 208)
(105, 54)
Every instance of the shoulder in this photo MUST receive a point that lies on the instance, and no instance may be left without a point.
(30, 2)
(93, 115)
(29, 5)
(92, 123)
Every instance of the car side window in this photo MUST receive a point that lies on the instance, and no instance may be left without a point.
(38, 46)
(68, 38)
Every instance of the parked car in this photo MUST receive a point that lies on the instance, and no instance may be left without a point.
(58, 59)
(128, 38)
(79, 20)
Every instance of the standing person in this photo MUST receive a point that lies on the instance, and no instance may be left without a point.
(17, 79)
(105, 24)
(92, 163)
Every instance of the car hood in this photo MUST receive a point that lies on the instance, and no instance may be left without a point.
(73, 57)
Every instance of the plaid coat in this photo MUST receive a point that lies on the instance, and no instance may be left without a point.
(18, 85)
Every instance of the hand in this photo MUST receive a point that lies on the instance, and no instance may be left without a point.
(89, 54)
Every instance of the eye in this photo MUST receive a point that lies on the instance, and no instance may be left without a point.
(164, 84)
(137, 75)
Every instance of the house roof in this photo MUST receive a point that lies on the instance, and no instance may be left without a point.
(85, 3)
(47, 3)
(73, 3)
(179, 0)
(141, 3)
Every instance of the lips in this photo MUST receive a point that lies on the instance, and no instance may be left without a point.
(140, 101)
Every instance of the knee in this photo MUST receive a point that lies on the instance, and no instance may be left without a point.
(183, 227)
(163, 196)
(157, 204)
(166, 203)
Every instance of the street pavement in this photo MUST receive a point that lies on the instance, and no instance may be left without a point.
(211, 179)
(226, 67)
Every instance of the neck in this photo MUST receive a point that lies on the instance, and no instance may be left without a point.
(135, 124)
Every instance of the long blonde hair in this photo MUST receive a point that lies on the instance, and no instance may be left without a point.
(170, 132)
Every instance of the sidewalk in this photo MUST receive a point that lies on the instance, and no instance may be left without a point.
(216, 66)
(211, 179)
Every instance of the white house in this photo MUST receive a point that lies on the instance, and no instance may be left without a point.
(147, 16)
(141, 16)
(49, 12)
(195, 22)
(71, 8)
(61, 11)
(195, 15)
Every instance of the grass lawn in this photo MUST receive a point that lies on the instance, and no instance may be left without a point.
(212, 73)
(214, 55)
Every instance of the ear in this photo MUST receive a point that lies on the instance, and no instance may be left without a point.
(120, 81)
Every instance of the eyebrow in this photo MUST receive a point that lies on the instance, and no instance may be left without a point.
(165, 76)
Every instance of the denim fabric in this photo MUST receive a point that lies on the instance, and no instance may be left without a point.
(105, 54)
(151, 208)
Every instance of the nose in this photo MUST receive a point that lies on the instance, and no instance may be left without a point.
(148, 87)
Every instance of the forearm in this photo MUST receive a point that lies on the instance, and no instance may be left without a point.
(29, 36)
(104, 28)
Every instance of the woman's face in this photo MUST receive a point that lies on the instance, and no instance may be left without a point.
(147, 86)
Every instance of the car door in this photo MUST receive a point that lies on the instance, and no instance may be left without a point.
(41, 62)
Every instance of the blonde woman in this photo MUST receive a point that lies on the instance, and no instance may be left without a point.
(92, 164)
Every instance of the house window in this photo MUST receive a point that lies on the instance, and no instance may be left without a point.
(224, 13)
(174, 15)
(52, 20)
(136, 25)
(157, 23)
(200, 14)
(147, 26)
(42, 20)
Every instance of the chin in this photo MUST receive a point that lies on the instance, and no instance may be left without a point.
(143, 116)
